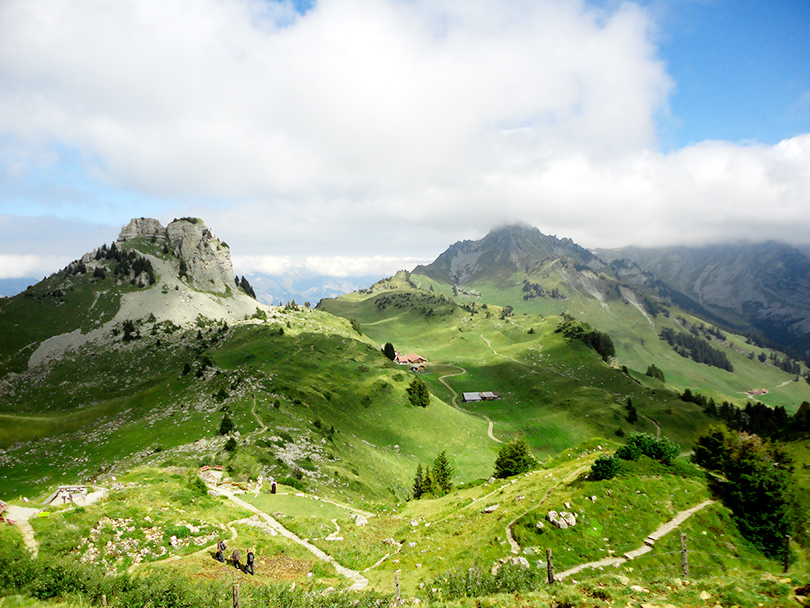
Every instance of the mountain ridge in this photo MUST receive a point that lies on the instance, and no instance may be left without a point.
(764, 286)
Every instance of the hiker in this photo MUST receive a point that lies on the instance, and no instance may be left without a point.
(273, 487)
(235, 558)
(249, 562)
(220, 549)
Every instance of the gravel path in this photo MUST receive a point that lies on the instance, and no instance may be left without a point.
(20, 517)
(358, 580)
(454, 402)
(649, 541)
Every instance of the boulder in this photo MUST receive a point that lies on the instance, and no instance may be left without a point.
(359, 520)
(563, 520)
(570, 518)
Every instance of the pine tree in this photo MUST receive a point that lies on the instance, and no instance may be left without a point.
(389, 351)
(246, 287)
(428, 482)
(513, 458)
(227, 425)
(418, 393)
(418, 483)
(443, 473)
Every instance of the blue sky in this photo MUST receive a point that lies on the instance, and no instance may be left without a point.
(356, 137)
(741, 68)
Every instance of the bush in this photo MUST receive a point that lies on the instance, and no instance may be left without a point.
(17, 569)
(637, 444)
(293, 483)
(605, 467)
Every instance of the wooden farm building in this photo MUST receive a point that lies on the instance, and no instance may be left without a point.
(409, 359)
(482, 396)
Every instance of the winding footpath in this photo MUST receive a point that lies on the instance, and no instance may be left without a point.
(649, 541)
(358, 580)
(454, 402)
(20, 516)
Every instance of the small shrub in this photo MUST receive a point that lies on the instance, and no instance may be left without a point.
(293, 483)
(227, 425)
(605, 467)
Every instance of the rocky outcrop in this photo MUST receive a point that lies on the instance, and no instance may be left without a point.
(204, 262)
(207, 260)
(141, 227)
(563, 519)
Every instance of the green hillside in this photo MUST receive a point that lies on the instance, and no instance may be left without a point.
(169, 402)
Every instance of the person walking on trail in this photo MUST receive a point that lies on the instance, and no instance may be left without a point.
(235, 558)
(273, 487)
(220, 550)
(249, 562)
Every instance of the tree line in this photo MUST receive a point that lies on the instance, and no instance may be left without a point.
(693, 347)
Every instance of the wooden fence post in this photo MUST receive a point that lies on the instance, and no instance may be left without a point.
(684, 557)
(549, 567)
(398, 600)
(786, 562)
(236, 595)
(104, 600)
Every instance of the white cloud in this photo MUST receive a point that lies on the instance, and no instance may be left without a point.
(367, 132)
(213, 99)
(20, 266)
(338, 266)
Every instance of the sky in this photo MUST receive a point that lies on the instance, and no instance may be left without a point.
(358, 137)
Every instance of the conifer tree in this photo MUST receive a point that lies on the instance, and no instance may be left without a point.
(418, 392)
(428, 483)
(418, 483)
(443, 473)
(227, 425)
(513, 458)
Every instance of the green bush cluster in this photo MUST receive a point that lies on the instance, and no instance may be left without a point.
(639, 444)
(479, 581)
(606, 466)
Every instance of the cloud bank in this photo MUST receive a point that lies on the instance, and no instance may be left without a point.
(366, 133)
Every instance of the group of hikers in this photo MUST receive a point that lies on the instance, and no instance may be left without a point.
(236, 557)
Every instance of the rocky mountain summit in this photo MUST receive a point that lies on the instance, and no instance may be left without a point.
(180, 273)
(516, 248)
(205, 260)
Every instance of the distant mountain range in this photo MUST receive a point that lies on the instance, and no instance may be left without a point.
(761, 287)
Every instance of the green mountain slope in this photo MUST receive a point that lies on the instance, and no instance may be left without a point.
(554, 277)
(127, 384)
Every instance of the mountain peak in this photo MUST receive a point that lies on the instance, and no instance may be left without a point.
(506, 249)
(205, 260)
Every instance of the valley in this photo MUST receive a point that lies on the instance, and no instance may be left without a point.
(124, 383)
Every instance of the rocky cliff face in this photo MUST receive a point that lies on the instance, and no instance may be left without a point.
(765, 285)
(204, 261)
